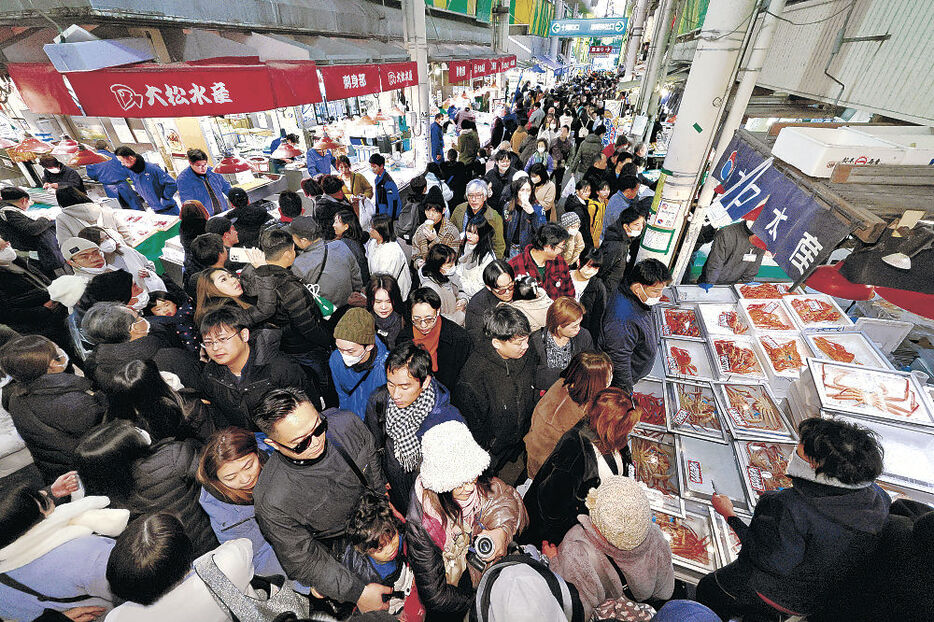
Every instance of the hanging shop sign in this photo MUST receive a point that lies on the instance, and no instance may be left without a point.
(459, 71)
(394, 76)
(507, 62)
(589, 27)
(799, 232)
(601, 50)
(42, 88)
(194, 89)
(480, 67)
(343, 81)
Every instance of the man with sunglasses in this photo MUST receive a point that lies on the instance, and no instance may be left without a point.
(308, 490)
(243, 366)
(500, 281)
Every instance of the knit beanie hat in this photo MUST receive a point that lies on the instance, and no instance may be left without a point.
(73, 246)
(620, 511)
(451, 457)
(357, 326)
(570, 219)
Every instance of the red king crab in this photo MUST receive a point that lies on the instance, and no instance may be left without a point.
(653, 465)
(653, 408)
(901, 404)
(682, 359)
(685, 542)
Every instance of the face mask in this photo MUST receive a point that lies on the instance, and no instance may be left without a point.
(143, 321)
(100, 270)
(651, 302)
(634, 233)
(541, 150)
(54, 171)
(350, 361)
(62, 359)
(572, 231)
(554, 127)
(141, 301)
(145, 435)
(108, 246)
(448, 271)
(7, 255)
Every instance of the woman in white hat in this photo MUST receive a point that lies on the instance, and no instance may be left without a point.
(455, 513)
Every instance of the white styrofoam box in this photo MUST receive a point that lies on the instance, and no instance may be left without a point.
(816, 150)
(917, 141)
(840, 322)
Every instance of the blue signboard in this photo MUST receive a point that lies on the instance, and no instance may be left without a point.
(605, 27)
(799, 232)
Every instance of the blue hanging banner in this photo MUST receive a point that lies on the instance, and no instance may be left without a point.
(798, 231)
(604, 27)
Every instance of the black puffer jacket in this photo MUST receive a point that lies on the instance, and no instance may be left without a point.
(496, 398)
(165, 481)
(109, 358)
(51, 413)
(454, 346)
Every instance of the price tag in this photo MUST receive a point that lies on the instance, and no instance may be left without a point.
(724, 362)
(749, 257)
(695, 473)
(736, 416)
(672, 364)
(769, 341)
(681, 416)
(814, 305)
(771, 307)
(724, 319)
(756, 478)
(666, 330)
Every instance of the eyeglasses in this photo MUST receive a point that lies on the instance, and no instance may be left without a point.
(503, 290)
(425, 321)
(476, 195)
(220, 341)
(303, 444)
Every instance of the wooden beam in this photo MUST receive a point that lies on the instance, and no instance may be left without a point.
(883, 174)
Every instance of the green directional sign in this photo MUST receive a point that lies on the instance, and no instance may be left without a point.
(604, 27)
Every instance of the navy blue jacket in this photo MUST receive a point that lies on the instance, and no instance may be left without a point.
(437, 143)
(114, 176)
(318, 164)
(157, 188)
(387, 195)
(629, 337)
(191, 186)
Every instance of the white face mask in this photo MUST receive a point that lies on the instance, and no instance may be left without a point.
(350, 361)
(95, 271)
(7, 255)
(634, 233)
(448, 271)
(141, 301)
(541, 149)
(62, 360)
(572, 231)
(651, 302)
(54, 171)
(108, 246)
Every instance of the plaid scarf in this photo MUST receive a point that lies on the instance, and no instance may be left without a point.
(403, 423)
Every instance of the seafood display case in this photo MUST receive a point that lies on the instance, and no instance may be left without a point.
(688, 359)
(722, 320)
(651, 397)
(763, 466)
(727, 541)
(708, 467)
(785, 354)
(691, 539)
(853, 348)
(737, 358)
(656, 469)
(712, 294)
(909, 453)
(682, 322)
(693, 410)
(753, 413)
(762, 290)
(876, 393)
(767, 315)
(817, 312)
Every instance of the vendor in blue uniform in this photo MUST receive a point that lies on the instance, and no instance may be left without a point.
(199, 182)
(319, 160)
(151, 181)
(114, 177)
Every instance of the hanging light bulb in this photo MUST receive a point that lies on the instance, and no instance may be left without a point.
(326, 142)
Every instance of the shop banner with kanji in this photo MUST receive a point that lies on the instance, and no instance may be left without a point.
(459, 71)
(188, 90)
(394, 76)
(798, 231)
(600, 50)
(506, 63)
(480, 67)
(42, 88)
(343, 81)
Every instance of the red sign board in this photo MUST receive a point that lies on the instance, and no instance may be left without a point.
(480, 67)
(42, 88)
(459, 71)
(394, 76)
(507, 62)
(601, 50)
(193, 90)
(343, 81)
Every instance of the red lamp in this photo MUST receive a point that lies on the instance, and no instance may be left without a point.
(32, 145)
(326, 142)
(232, 164)
(66, 147)
(285, 151)
(828, 280)
(6, 144)
(84, 156)
(920, 304)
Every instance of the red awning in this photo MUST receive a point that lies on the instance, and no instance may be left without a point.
(195, 89)
(398, 75)
(343, 81)
(480, 67)
(42, 88)
(458, 71)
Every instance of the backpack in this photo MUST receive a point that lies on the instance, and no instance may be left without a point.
(274, 594)
(565, 593)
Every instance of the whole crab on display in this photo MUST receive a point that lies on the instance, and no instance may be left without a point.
(653, 408)
(700, 408)
(684, 541)
(736, 359)
(653, 465)
(784, 356)
(682, 360)
(768, 458)
(902, 404)
(764, 316)
(835, 351)
(763, 290)
(730, 319)
(755, 408)
(813, 311)
(681, 322)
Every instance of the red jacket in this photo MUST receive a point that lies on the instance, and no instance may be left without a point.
(557, 275)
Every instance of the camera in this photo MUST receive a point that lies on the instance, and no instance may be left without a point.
(484, 546)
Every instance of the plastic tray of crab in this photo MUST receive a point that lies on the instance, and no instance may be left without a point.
(763, 465)
(760, 291)
(767, 315)
(655, 466)
(723, 320)
(693, 410)
(737, 358)
(752, 412)
(681, 321)
(785, 354)
(706, 468)
(879, 393)
(853, 348)
(688, 359)
(696, 293)
(728, 543)
(817, 313)
(651, 396)
(908, 459)
(691, 538)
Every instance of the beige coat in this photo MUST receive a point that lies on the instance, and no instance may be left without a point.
(555, 414)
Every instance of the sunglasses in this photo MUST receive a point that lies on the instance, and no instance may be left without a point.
(303, 444)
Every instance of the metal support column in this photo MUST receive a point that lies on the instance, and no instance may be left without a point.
(555, 41)
(635, 36)
(416, 42)
(657, 49)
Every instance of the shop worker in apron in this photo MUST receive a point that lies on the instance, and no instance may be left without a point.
(733, 257)
(151, 182)
(199, 182)
(115, 178)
